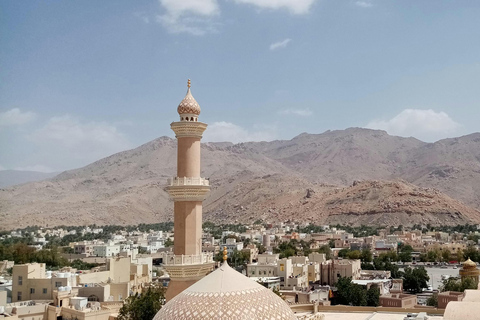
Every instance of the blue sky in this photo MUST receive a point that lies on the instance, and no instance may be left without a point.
(81, 80)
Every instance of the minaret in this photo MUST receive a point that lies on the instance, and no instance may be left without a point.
(188, 264)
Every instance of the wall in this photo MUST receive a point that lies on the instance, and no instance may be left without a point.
(3, 298)
(445, 297)
(119, 269)
(101, 292)
(416, 309)
(94, 277)
(119, 291)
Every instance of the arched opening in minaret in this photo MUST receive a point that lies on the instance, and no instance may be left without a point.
(191, 118)
(182, 118)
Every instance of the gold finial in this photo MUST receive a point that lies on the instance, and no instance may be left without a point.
(189, 83)
(225, 252)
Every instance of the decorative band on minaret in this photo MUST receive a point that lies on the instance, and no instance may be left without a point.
(188, 190)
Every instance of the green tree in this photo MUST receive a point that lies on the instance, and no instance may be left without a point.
(366, 256)
(354, 255)
(168, 243)
(326, 250)
(143, 306)
(433, 255)
(471, 253)
(349, 293)
(446, 255)
(414, 280)
(405, 254)
(373, 297)
(455, 284)
(331, 243)
(287, 253)
(261, 248)
(68, 250)
(343, 253)
(433, 301)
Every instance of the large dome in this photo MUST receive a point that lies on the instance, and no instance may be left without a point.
(226, 294)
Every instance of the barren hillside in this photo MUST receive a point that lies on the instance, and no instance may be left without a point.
(268, 180)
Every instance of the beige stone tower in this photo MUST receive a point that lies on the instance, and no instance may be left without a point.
(188, 264)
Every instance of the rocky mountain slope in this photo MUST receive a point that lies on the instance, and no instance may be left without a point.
(269, 180)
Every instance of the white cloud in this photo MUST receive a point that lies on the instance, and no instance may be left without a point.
(299, 112)
(36, 167)
(295, 6)
(67, 141)
(189, 16)
(426, 125)
(364, 4)
(15, 117)
(226, 131)
(280, 44)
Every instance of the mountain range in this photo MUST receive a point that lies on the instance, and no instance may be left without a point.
(350, 176)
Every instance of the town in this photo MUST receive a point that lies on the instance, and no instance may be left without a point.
(88, 272)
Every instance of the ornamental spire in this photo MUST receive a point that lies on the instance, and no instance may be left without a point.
(225, 252)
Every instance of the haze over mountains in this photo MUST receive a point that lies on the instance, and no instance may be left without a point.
(13, 177)
(418, 182)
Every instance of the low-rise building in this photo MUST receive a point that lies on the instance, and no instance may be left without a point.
(445, 297)
(398, 300)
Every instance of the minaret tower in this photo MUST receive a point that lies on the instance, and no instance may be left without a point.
(188, 264)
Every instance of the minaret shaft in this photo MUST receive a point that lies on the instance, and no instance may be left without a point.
(188, 227)
(188, 157)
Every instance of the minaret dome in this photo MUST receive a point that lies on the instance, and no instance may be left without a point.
(188, 109)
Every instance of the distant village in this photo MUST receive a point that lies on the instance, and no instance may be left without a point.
(88, 272)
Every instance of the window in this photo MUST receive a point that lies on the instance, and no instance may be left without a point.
(20, 280)
(32, 290)
(19, 295)
(92, 298)
(44, 291)
(58, 284)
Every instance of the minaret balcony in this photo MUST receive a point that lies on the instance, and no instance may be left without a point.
(185, 181)
(175, 260)
(188, 189)
(188, 129)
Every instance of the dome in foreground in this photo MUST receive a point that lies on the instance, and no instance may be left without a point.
(469, 264)
(226, 294)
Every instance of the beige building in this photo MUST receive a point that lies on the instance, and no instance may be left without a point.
(332, 270)
(32, 282)
(84, 248)
(121, 278)
(266, 266)
(398, 300)
(445, 297)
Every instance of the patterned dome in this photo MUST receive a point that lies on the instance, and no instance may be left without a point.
(469, 264)
(226, 294)
(188, 105)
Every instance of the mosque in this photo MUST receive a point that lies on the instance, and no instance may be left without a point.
(192, 294)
